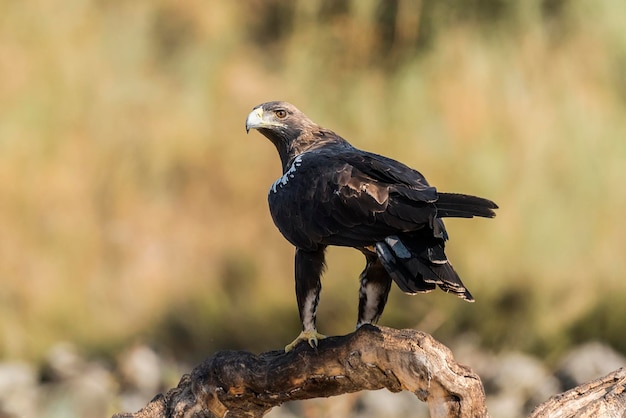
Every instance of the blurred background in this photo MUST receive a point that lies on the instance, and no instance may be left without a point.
(133, 212)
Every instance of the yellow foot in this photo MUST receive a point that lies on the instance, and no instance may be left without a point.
(310, 336)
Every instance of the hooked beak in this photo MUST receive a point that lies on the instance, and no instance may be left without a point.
(255, 119)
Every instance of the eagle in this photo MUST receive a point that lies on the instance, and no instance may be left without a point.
(333, 194)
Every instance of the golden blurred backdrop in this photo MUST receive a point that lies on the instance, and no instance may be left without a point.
(133, 204)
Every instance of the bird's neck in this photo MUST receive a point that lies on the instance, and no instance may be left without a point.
(309, 141)
(291, 144)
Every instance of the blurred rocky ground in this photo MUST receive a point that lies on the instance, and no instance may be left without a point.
(68, 384)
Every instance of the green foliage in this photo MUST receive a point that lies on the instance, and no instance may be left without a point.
(134, 205)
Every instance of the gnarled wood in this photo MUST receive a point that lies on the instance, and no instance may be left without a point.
(604, 397)
(240, 384)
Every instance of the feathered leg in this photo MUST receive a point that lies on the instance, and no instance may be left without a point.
(375, 285)
(309, 266)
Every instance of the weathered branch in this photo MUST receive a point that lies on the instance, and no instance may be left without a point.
(240, 384)
(604, 397)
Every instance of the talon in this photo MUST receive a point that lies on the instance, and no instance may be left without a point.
(309, 336)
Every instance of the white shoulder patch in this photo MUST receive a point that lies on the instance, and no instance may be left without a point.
(289, 174)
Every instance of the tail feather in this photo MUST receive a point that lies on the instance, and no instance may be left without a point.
(420, 269)
(456, 205)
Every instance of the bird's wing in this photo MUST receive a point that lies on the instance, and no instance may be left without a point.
(403, 179)
(404, 194)
(352, 198)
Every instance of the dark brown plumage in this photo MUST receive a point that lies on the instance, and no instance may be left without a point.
(331, 193)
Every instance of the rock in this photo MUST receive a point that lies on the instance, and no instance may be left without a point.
(337, 406)
(514, 382)
(18, 390)
(468, 351)
(366, 404)
(523, 380)
(62, 362)
(141, 373)
(382, 403)
(74, 386)
(140, 369)
(518, 372)
(510, 405)
(588, 362)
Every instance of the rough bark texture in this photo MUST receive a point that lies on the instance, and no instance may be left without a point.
(604, 397)
(237, 384)
(240, 384)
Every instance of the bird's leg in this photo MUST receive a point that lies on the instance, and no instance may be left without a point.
(309, 266)
(375, 285)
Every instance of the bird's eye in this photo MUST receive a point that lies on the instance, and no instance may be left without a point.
(281, 114)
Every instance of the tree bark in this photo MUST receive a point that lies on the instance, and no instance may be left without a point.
(240, 384)
(604, 397)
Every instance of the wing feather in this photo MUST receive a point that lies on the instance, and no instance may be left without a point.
(370, 197)
(352, 198)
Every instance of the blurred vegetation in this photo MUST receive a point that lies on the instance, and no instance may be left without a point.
(133, 205)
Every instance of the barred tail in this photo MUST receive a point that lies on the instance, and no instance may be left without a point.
(416, 267)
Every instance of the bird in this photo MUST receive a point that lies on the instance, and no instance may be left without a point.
(331, 193)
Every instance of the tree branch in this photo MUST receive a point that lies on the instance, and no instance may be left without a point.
(241, 384)
(604, 397)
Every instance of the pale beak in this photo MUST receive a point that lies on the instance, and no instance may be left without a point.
(255, 119)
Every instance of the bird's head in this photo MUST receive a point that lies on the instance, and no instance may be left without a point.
(278, 118)
(288, 128)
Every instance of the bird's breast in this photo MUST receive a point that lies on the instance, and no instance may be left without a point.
(282, 181)
(293, 202)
